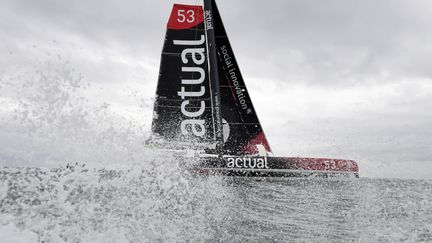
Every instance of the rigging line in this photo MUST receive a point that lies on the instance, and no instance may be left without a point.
(209, 77)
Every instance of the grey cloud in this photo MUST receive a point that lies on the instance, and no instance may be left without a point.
(356, 38)
(330, 46)
(337, 39)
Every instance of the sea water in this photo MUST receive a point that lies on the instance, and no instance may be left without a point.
(166, 203)
(73, 169)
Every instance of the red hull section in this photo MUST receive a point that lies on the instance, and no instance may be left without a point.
(322, 164)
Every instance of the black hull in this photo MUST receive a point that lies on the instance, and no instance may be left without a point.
(277, 173)
(257, 166)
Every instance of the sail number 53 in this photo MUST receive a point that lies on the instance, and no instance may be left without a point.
(183, 15)
(329, 165)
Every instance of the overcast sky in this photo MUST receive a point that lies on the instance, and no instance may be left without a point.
(334, 78)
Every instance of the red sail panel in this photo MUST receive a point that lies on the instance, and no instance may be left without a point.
(185, 17)
(260, 139)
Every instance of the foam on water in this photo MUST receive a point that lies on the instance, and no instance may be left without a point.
(168, 204)
(120, 191)
(116, 190)
(365, 210)
(157, 202)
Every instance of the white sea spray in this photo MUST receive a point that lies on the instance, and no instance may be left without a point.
(73, 169)
(114, 189)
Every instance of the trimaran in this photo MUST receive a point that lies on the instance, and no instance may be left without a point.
(202, 105)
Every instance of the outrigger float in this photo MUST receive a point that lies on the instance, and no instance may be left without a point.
(202, 104)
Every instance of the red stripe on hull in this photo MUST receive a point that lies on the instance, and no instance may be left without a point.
(322, 164)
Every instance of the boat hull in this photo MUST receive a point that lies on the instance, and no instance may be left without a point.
(266, 166)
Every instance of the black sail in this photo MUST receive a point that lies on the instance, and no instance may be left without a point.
(242, 129)
(192, 100)
(183, 115)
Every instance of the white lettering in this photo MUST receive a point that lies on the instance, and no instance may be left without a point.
(254, 164)
(194, 52)
(208, 20)
(237, 162)
(193, 81)
(191, 18)
(190, 42)
(194, 124)
(192, 114)
(183, 93)
(230, 163)
(260, 163)
(247, 162)
(234, 77)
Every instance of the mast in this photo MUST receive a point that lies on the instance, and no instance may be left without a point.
(214, 76)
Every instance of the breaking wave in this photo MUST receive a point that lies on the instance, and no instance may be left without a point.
(159, 202)
(75, 169)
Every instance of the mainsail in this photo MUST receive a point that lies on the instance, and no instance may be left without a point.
(183, 114)
(201, 97)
